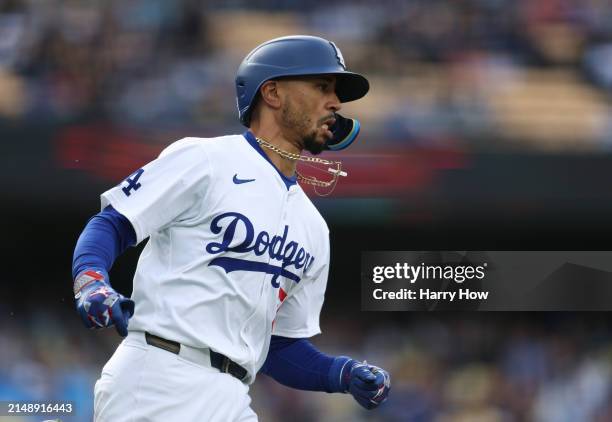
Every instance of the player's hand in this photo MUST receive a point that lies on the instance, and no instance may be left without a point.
(368, 384)
(99, 305)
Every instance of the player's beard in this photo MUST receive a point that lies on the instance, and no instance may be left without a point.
(302, 125)
(312, 145)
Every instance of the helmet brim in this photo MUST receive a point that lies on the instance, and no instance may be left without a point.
(351, 86)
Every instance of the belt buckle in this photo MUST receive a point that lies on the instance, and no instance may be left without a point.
(225, 365)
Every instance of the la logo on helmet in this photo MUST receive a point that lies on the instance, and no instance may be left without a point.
(338, 55)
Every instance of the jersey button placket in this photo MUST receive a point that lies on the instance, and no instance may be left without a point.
(268, 287)
(281, 227)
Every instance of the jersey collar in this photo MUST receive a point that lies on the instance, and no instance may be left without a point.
(289, 181)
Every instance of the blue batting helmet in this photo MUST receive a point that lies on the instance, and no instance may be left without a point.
(296, 55)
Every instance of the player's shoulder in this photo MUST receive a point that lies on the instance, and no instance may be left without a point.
(203, 145)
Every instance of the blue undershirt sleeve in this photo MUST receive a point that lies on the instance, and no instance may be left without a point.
(296, 363)
(106, 236)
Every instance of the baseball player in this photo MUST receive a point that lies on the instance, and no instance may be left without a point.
(232, 279)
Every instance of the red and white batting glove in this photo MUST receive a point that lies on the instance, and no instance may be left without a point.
(98, 304)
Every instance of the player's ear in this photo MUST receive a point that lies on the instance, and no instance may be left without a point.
(269, 93)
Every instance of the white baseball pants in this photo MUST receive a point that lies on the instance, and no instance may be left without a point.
(141, 382)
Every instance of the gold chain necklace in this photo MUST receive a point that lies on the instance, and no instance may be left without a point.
(336, 171)
(293, 156)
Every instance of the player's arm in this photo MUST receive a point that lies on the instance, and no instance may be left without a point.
(166, 189)
(293, 361)
(106, 235)
(296, 363)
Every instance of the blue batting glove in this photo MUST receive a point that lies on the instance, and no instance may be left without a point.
(99, 305)
(368, 384)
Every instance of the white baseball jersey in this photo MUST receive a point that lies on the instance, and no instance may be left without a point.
(237, 251)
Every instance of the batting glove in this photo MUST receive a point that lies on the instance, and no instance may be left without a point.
(99, 305)
(368, 384)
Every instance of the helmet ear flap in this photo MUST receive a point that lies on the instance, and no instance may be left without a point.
(241, 90)
(241, 94)
(345, 131)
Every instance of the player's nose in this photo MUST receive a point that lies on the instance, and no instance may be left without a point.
(334, 103)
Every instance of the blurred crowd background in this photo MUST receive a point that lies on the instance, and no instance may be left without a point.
(488, 126)
(463, 73)
(471, 101)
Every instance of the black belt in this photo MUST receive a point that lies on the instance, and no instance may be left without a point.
(217, 360)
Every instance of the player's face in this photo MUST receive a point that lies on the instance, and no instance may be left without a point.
(308, 110)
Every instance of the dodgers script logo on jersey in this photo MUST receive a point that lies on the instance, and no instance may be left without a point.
(289, 254)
